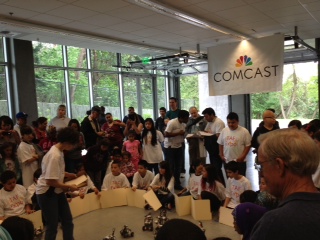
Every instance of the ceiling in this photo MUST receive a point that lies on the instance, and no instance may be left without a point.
(124, 26)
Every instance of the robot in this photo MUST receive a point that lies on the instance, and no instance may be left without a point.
(126, 232)
(111, 237)
(148, 223)
(162, 218)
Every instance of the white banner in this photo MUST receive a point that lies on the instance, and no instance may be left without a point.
(252, 66)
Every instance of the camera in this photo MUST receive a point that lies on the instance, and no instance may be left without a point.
(132, 117)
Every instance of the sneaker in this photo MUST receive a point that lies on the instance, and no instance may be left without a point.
(179, 187)
(182, 175)
(147, 207)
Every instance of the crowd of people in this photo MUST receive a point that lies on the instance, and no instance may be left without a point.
(37, 160)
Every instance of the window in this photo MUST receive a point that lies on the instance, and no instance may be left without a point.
(47, 54)
(77, 57)
(189, 92)
(79, 94)
(161, 92)
(146, 97)
(298, 99)
(101, 60)
(130, 93)
(50, 90)
(3, 92)
(106, 93)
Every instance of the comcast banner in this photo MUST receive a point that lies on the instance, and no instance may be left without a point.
(252, 66)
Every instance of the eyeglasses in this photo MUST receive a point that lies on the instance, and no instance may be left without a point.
(261, 164)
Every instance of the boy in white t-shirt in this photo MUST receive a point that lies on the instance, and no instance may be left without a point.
(13, 197)
(115, 179)
(27, 156)
(31, 191)
(194, 181)
(236, 184)
(142, 178)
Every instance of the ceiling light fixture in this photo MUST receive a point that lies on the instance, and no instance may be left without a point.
(177, 14)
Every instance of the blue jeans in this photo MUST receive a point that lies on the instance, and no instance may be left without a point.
(55, 207)
(175, 157)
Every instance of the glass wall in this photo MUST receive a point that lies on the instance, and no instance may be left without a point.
(146, 97)
(189, 90)
(97, 82)
(297, 100)
(3, 82)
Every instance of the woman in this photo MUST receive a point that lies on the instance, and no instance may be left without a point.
(113, 131)
(7, 134)
(51, 187)
(41, 128)
(91, 128)
(134, 124)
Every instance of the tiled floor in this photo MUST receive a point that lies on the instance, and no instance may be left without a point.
(97, 224)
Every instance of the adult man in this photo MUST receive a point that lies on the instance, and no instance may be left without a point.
(195, 124)
(160, 125)
(288, 159)
(21, 121)
(131, 112)
(60, 121)
(234, 143)
(214, 126)
(268, 125)
(174, 110)
(174, 137)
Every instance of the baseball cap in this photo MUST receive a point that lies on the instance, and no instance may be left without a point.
(21, 115)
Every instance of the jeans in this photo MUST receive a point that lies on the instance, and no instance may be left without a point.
(215, 203)
(153, 167)
(55, 207)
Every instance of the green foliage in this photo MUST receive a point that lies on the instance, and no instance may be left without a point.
(304, 96)
(189, 91)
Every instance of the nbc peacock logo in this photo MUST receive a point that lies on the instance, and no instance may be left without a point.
(244, 60)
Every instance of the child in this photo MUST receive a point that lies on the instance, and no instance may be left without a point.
(211, 188)
(31, 191)
(27, 156)
(50, 140)
(236, 184)
(194, 181)
(89, 185)
(134, 147)
(96, 161)
(9, 160)
(152, 151)
(264, 198)
(163, 184)
(115, 156)
(115, 179)
(13, 197)
(142, 178)
(74, 157)
(127, 167)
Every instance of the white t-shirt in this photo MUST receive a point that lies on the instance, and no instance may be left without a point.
(152, 154)
(235, 188)
(31, 190)
(174, 126)
(53, 167)
(194, 185)
(26, 151)
(215, 127)
(316, 177)
(234, 142)
(142, 182)
(156, 182)
(113, 182)
(59, 123)
(13, 203)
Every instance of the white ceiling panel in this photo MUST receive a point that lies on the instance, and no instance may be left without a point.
(102, 20)
(154, 20)
(126, 22)
(49, 19)
(72, 12)
(16, 12)
(35, 5)
(101, 6)
(219, 5)
(131, 12)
